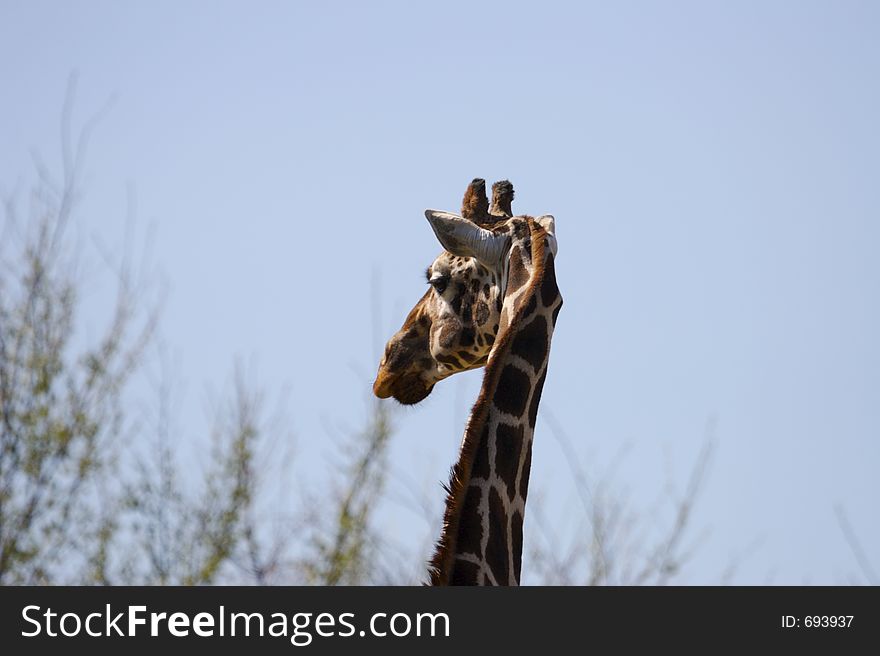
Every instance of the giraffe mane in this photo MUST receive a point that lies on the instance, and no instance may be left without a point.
(443, 559)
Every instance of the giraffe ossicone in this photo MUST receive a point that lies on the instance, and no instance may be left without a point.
(493, 301)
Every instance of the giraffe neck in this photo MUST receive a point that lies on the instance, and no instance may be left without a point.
(481, 541)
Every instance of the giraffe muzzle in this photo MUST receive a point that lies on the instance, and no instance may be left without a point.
(382, 385)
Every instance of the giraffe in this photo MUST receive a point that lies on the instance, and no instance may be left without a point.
(493, 301)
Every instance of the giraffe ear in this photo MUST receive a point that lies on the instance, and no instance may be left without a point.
(465, 238)
(547, 222)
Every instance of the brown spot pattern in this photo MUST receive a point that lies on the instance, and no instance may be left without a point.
(513, 391)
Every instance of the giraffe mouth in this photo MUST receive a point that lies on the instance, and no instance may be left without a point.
(407, 389)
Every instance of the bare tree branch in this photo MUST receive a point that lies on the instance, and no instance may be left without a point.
(852, 540)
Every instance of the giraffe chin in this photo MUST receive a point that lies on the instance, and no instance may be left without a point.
(407, 389)
(412, 395)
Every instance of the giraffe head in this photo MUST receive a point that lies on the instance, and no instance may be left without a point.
(454, 325)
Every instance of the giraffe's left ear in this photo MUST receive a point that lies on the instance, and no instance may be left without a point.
(465, 238)
(549, 224)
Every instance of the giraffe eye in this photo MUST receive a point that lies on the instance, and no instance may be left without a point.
(439, 283)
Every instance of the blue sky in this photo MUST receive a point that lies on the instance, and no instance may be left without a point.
(713, 169)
